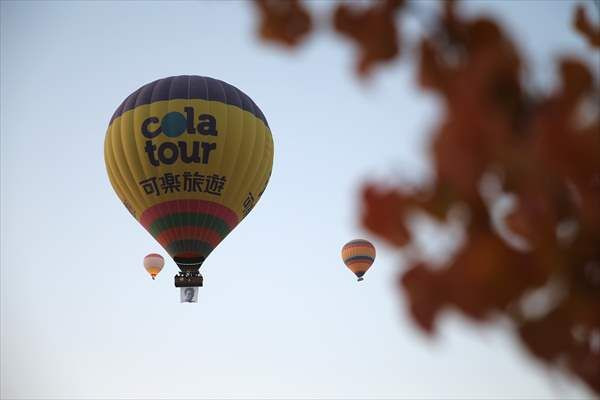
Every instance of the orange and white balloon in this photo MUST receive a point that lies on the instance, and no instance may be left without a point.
(154, 264)
(358, 255)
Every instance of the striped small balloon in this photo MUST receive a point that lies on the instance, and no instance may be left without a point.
(358, 255)
(153, 263)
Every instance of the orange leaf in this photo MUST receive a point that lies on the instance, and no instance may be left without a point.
(549, 336)
(373, 30)
(424, 295)
(384, 214)
(283, 21)
(576, 79)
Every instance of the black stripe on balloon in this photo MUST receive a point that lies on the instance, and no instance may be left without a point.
(189, 260)
(190, 87)
(359, 258)
(359, 273)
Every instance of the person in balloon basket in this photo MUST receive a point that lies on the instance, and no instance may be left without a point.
(188, 295)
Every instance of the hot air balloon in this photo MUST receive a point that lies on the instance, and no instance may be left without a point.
(189, 157)
(154, 264)
(358, 255)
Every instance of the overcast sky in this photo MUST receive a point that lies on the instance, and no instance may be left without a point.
(279, 315)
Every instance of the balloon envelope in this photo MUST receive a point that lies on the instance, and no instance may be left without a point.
(358, 255)
(153, 263)
(189, 157)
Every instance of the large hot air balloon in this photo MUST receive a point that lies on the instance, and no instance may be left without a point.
(153, 263)
(358, 255)
(189, 157)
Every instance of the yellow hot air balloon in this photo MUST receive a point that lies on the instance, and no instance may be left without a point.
(154, 264)
(358, 255)
(189, 157)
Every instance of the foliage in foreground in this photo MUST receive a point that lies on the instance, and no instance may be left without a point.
(497, 140)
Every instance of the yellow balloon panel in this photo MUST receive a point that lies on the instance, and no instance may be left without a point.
(189, 157)
(228, 163)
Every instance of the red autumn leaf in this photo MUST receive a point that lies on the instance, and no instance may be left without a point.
(383, 214)
(425, 295)
(283, 21)
(576, 80)
(438, 201)
(586, 364)
(520, 223)
(535, 215)
(548, 337)
(373, 30)
(432, 73)
(487, 276)
(568, 151)
(584, 26)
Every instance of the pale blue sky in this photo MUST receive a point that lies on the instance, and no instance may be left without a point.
(279, 316)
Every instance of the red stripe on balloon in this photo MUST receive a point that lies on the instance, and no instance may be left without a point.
(351, 246)
(193, 206)
(189, 232)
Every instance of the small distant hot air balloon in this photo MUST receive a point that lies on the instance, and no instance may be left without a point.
(358, 255)
(154, 264)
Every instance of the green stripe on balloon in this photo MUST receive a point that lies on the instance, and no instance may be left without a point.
(189, 219)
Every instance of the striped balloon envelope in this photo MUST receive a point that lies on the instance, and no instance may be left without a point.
(358, 255)
(189, 157)
(153, 263)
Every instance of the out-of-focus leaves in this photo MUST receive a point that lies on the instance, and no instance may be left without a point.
(568, 152)
(568, 335)
(584, 26)
(425, 295)
(586, 365)
(548, 337)
(545, 149)
(520, 222)
(576, 80)
(373, 29)
(432, 74)
(493, 273)
(535, 216)
(437, 201)
(285, 22)
(384, 214)
(549, 162)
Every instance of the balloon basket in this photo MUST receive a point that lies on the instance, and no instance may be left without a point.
(188, 280)
(360, 279)
(189, 275)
